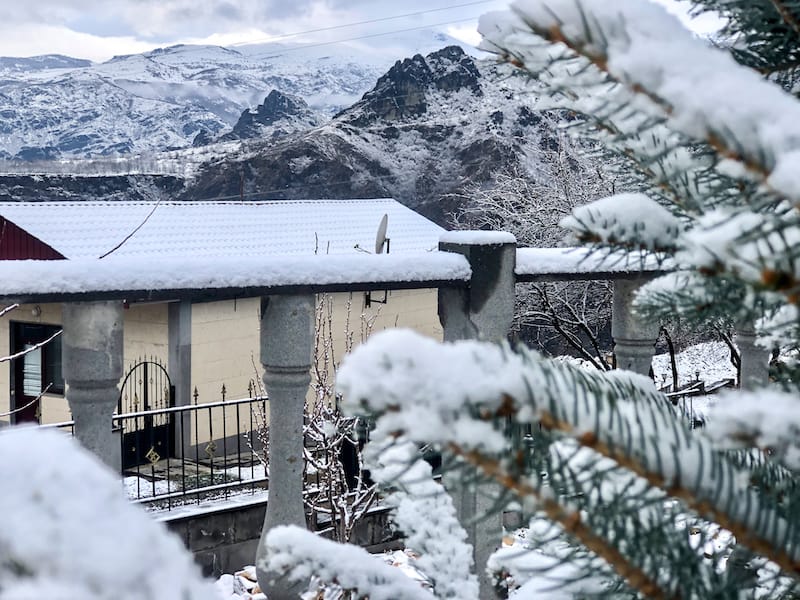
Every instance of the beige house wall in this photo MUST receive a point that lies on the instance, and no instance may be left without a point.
(225, 335)
(225, 338)
(225, 342)
(145, 334)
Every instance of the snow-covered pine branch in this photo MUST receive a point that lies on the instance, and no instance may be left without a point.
(769, 421)
(424, 512)
(704, 131)
(460, 397)
(300, 555)
(632, 221)
(701, 91)
(69, 532)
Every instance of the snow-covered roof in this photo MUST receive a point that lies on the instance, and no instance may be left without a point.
(216, 229)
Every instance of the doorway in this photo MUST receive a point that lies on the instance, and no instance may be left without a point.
(35, 372)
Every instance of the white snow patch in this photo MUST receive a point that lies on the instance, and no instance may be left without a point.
(190, 273)
(554, 261)
(301, 555)
(628, 219)
(71, 533)
(478, 238)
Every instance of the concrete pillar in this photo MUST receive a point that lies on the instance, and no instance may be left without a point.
(753, 374)
(179, 366)
(484, 310)
(634, 337)
(754, 370)
(287, 346)
(92, 368)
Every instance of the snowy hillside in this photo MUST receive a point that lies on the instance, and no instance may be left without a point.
(430, 125)
(59, 107)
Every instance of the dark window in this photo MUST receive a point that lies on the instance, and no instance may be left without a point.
(51, 365)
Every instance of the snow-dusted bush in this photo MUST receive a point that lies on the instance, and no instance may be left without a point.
(69, 532)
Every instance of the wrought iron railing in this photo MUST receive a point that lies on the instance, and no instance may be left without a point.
(209, 451)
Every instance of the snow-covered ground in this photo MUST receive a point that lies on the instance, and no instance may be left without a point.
(242, 585)
(708, 361)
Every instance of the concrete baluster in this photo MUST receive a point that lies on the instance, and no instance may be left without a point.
(634, 336)
(92, 368)
(484, 310)
(754, 370)
(287, 344)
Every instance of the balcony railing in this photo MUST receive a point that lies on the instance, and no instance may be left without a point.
(190, 454)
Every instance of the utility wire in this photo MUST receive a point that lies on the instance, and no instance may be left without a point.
(356, 23)
(364, 37)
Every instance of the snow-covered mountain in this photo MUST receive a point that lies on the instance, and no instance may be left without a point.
(60, 107)
(430, 126)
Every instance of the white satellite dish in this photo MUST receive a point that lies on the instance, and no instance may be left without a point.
(381, 240)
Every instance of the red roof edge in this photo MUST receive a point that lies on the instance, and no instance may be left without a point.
(18, 244)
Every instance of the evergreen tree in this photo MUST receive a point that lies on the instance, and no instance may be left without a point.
(713, 145)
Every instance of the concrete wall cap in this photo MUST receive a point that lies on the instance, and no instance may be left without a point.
(477, 238)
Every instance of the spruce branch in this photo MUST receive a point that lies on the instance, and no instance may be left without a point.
(786, 15)
(617, 414)
(590, 43)
(569, 520)
(689, 494)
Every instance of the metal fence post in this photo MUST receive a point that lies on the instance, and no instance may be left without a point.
(92, 368)
(287, 346)
(483, 310)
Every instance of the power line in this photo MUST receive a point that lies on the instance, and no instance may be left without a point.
(365, 37)
(365, 22)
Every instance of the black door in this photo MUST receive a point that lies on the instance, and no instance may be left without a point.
(148, 437)
(36, 371)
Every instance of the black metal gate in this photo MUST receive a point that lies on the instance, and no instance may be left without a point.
(147, 437)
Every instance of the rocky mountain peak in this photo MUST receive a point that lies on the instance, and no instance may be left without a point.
(278, 106)
(278, 116)
(403, 91)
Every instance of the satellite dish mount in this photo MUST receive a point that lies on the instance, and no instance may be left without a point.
(381, 242)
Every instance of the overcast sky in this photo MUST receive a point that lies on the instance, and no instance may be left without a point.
(100, 29)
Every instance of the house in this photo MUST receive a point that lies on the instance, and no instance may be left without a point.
(200, 346)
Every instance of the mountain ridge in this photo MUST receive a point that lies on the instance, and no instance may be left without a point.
(56, 107)
(431, 126)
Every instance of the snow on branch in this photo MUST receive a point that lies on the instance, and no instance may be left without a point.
(751, 245)
(542, 563)
(700, 91)
(460, 396)
(424, 512)
(301, 555)
(632, 221)
(769, 420)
